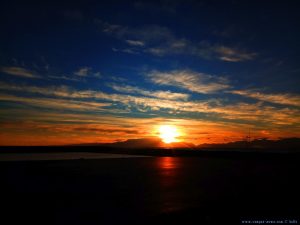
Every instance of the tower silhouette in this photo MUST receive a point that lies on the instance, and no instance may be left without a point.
(248, 139)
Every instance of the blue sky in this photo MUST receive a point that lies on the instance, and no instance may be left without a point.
(112, 70)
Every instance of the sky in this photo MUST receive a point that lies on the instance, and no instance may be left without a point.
(108, 71)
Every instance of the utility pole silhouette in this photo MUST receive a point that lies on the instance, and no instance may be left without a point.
(248, 140)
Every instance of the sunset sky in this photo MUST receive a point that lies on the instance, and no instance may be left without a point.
(104, 72)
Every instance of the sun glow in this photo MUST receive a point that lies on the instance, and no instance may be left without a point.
(168, 133)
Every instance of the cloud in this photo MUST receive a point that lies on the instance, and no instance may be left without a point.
(19, 71)
(171, 47)
(41, 127)
(157, 51)
(64, 78)
(192, 81)
(126, 50)
(203, 49)
(57, 91)
(118, 79)
(54, 131)
(157, 94)
(82, 72)
(266, 115)
(211, 109)
(105, 130)
(97, 74)
(102, 129)
(283, 99)
(233, 54)
(141, 103)
(150, 33)
(135, 43)
(209, 51)
(153, 35)
(161, 41)
(55, 103)
(87, 71)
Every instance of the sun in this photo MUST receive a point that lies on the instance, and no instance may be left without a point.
(168, 133)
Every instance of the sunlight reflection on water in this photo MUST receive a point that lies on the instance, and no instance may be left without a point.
(167, 163)
(170, 180)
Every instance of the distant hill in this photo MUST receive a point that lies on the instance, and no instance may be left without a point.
(137, 143)
(142, 143)
(287, 144)
(155, 147)
(292, 144)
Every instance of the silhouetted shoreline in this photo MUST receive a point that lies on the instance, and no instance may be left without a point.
(216, 153)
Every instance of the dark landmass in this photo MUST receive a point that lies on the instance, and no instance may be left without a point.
(155, 147)
(212, 153)
(142, 143)
(292, 144)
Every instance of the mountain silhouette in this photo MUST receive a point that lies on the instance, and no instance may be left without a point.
(149, 143)
(284, 145)
(292, 144)
(138, 143)
(144, 143)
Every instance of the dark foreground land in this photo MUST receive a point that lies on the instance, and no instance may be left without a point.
(151, 190)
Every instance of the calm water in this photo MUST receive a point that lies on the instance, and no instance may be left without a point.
(160, 190)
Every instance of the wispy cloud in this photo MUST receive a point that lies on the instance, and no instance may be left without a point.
(64, 78)
(284, 99)
(87, 71)
(233, 54)
(97, 74)
(210, 51)
(19, 71)
(53, 103)
(126, 50)
(266, 115)
(146, 34)
(190, 80)
(135, 43)
(212, 108)
(161, 41)
(156, 94)
(204, 50)
(82, 72)
(86, 128)
(173, 46)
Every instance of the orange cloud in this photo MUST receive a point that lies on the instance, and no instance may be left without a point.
(283, 99)
(52, 129)
(192, 81)
(97, 117)
(19, 71)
